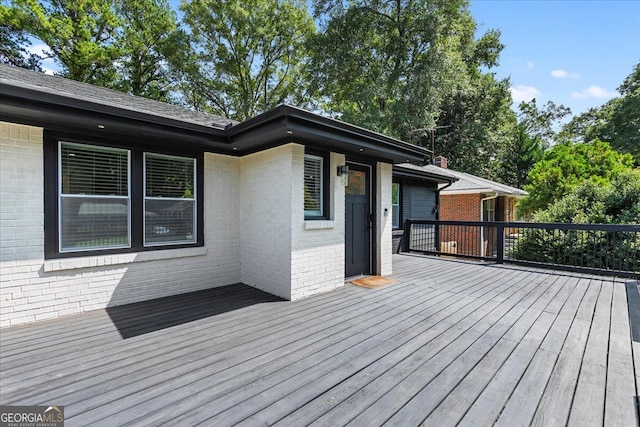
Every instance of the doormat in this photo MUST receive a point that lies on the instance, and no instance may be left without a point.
(372, 282)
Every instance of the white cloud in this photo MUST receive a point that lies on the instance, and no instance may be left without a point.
(521, 93)
(530, 64)
(594, 91)
(562, 74)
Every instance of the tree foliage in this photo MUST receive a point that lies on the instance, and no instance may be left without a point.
(148, 37)
(80, 35)
(475, 125)
(617, 202)
(405, 67)
(529, 139)
(14, 42)
(248, 56)
(120, 45)
(568, 165)
(617, 121)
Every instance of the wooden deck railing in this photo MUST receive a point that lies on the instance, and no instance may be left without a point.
(597, 248)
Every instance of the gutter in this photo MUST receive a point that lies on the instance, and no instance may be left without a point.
(438, 198)
(495, 196)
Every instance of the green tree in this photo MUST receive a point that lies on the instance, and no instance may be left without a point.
(475, 125)
(377, 62)
(14, 41)
(249, 56)
(529, 139)
(148, 34)
(617, 121)
(414, 70)
(568, 165)
(617, 202)
(80, 35)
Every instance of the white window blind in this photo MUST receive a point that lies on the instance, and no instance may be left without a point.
(169, 199)
(94, 197)
(313, 168)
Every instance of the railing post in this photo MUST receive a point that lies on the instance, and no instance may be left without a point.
(500, 241)
(406, 235)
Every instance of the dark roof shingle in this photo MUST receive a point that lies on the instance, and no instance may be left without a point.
(59, 86)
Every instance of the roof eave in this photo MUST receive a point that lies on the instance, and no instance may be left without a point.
(285, 124)
(421, 176)
(60, 100)
(454, 192)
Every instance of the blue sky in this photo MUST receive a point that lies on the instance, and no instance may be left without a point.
(571, 52)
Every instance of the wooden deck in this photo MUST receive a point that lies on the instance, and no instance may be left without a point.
(451, 343)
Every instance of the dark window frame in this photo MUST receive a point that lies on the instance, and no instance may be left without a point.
(400, 185)
(326, 199)
(137, 150)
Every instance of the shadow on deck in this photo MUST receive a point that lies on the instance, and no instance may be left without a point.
(451, 343)
(150, 316)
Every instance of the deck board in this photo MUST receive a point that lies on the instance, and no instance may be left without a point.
(452, 342)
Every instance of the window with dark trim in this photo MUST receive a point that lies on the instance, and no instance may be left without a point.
(316, 186)
(169, 199)
(395, 205)
(103, 198)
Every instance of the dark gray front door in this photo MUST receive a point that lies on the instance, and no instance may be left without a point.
(358, 221)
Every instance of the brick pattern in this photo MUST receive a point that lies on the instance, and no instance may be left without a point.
(384, 174)
(33, 289)
(317, 257)
(255, 233)
(265, 212)
(21, 193)
(461, 207)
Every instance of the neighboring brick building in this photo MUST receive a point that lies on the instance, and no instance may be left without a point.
(472, 198)
(435, 192)
(108, 199)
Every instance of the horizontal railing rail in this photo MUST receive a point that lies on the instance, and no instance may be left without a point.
(610, 249)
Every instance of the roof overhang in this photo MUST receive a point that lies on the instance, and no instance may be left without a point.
(450, 192)
(400, 172)
(63, 113)
(281, 125)
(285, 124)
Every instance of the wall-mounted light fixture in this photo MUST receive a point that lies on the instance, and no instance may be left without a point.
(343, 170)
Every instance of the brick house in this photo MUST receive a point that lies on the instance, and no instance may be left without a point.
(108, 199)
(471, 198)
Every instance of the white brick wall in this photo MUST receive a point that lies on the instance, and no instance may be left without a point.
(317, 258)
(34, 289)
(255, 233)
(385, 227)
(265, 212)
(21, 193)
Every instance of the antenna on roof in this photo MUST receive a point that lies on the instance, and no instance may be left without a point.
(228, 126)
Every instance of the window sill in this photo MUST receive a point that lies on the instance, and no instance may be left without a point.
(319, 224)
(119, 259)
